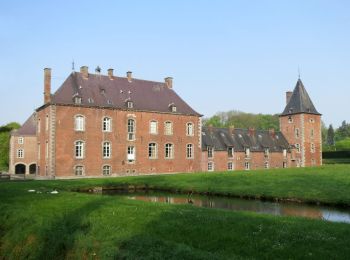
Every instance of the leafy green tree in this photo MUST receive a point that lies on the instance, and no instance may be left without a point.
(330, 135)
(4, 144)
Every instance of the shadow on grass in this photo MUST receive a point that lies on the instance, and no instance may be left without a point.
(59, 239)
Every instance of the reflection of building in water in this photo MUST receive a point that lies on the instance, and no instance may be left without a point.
(301, 212)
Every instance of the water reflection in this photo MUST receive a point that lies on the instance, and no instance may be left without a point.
(273, 208)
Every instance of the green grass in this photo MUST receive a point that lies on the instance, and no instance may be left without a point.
(73, 225)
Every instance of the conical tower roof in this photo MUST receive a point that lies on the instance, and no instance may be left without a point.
(300, 102)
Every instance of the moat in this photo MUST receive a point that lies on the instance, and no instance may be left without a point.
(236, 204)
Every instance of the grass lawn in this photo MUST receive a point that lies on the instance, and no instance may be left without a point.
(82, 226)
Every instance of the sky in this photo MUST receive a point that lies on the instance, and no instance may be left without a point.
(223, 55)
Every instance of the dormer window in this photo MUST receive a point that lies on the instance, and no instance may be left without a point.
(247, 152)
(77, 100)
(266, 152)
(172, 107)
(130, 104)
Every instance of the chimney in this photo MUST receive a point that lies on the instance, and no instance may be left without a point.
(272, 132)
(231, 129)
(84, 70)
(169, 82)
(129, 75)
(47, 85)
(251, 131)
(288, 96)
(110, 74)
(210, 128)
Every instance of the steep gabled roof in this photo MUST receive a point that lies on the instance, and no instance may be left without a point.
(239, 139)
(300, 102)
(28, 128)
(102, 91)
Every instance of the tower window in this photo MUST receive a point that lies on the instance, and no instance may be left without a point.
(131, 129)
(79, 149)
(106, 150)
(189, 151)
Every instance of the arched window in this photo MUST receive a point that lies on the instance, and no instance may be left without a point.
(106, 150)
(131, 129)
(168, 128)
(152, 151)
(79, 170)
(79, 149)
(169, 151)
(189, 151)
(79, 123)
(107, 124)
(189, 129)
(106, 170)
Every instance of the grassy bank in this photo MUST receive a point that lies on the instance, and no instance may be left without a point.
(79, 226)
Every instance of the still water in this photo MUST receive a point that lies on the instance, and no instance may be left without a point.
(236, 204)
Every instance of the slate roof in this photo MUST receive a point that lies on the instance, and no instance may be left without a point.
(300, 102)
(257, 140)
(101, 91)
(28, 128)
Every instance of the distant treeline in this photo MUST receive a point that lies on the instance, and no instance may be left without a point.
(243, 120)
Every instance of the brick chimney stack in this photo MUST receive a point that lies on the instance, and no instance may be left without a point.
(231, 129)
(288, 96)
(129, 76)
(47, 85)
(272, 132)
(110, 74)
(169, 82)
(84, 70)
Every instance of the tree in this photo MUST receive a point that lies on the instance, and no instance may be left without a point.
(330, 135)
(4, 144)
(342, 132)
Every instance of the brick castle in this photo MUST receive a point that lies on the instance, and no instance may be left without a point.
(103, 125)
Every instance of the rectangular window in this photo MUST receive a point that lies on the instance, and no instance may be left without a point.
(131, 154)
(131, 130)
(247, 166)
(266, 152)
(210, 166)
(47, 150)
(20, 153)
(107, 124)
(284, 165)
(297, 147)
(39, 152)
(189, 129)
(79, 170)
(79, 123)
(297, 133)
(266, 165)
(210, 152)
(79, 149)
(230, 166)
(39, 125)
(168, 128)
(284, 152)
(189, 151)
(106, 150)
(312, 133)
(230, 152)
(169, 151)
(152, 151)
(247, 152)
(312, 148)
(153, 127)
(20, 140)
(106, 170)
(47, 123)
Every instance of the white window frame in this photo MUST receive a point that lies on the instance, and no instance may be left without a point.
(230, 152)
(152, 151)
(247, 166)
(79, 123)
(189, 129)
(168, 128)
(169, 151)
(131, 129)
(106, 124)
(290, 120)
(230, 166)
(210, 166)
(20, 140)
(284, 152)
(131, 154)
(210, 152)
(189, 151)
(247, 152)
(153, 127)
(20, 153)
(130, 104)
(266, 165)
(266, 152)
(79, 149)
(81, 170)
(106, 170)
(106, 150)
(297, 147)
(284, 165)
(47, 122)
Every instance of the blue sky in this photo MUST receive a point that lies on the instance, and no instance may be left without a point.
(223, 55)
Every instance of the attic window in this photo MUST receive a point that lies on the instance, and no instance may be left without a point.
(290, 119)
(90, 100)
(259, 136)
(130, 104)
(77, 100)
(172, 107)
(103, 91)
(240, 136)
(109, 102)
(312, 120)
(222, 134)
